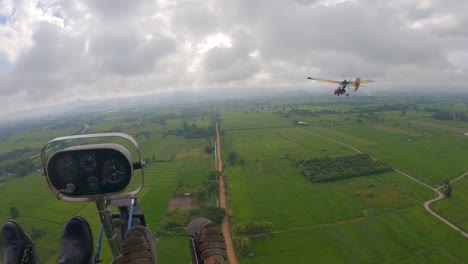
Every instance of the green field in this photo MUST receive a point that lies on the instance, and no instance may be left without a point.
(371, 219)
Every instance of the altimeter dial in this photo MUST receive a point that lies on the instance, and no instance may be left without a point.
(67, 168)
(114, 171)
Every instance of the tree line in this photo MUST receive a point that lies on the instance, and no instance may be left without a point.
(19, 168)
(18, 153)
(332, 169)
(446, 115)
(193, 131)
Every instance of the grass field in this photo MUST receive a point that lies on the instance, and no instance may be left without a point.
(428, 157)
(372, 219)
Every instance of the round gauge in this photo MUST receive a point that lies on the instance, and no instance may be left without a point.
(113, 170)
(67, 168)
(88, 162)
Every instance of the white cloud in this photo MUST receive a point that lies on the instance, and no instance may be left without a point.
(55, 50)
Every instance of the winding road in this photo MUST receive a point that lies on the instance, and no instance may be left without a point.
(427, 204)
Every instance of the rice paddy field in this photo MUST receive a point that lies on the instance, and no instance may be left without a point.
(371, 219)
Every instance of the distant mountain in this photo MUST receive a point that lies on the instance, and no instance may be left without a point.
(181, 96)
(153, 99)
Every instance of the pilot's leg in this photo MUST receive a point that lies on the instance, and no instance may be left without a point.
(139, 246)
(76, 243)
(209, 241)
(16, 246)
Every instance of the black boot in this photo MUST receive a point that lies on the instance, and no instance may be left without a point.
(16, 247)
(76, 244)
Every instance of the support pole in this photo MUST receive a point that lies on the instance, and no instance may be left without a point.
(106, 221)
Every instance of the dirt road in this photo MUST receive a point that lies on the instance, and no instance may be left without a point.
(427, 204)
(222, 202)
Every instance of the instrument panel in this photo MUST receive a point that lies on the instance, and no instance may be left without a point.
(90, 170)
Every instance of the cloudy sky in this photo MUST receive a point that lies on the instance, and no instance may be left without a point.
(55, 51)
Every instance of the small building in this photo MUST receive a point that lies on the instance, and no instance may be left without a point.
(302, 123)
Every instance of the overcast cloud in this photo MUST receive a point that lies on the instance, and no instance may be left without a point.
(54, 51)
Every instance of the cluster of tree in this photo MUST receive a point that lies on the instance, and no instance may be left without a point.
(242, 243)
(303, 112)
(176, 222)
(185, 115)
(209, 149)
(193, 131)
(442, 115)
(171, 228)
(37, 233)
(283, 114)
(214, 175)
(243, 232)
(18, 153)
(386, 107)
(19, 168)
(462, 116)
(154, 159)
(447, 188)
(162, 120)
(14, 212)
(234, 159)
(190, 113)
(214, 213)
(253, 228)
(209, 188)
(331, 169)
(144, 134)
(446, 115)
(306, 112)
(370, 116)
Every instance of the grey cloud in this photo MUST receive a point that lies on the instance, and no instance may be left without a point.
(224, 64)
(52, 51)
(306, 2)
(347, 28)
(121, 9)
(52, 65)
(128, 52)
(194, 19)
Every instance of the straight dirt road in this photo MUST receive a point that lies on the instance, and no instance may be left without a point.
(222, 202)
